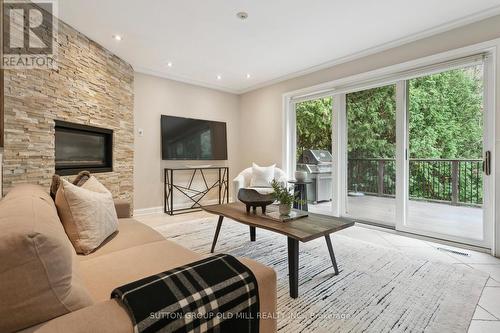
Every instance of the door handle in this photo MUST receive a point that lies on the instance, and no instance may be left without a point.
(487, 163)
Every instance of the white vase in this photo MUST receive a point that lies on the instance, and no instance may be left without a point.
(285, 209)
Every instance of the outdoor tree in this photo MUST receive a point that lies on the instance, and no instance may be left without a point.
(446, 115)
(314, 125)
(371, 123)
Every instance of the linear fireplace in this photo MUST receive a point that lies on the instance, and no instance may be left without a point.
(81, 147)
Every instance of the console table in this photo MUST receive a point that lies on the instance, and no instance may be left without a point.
(300, 187)
(194, 195)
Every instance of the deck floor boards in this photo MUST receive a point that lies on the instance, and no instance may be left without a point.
(459, 221)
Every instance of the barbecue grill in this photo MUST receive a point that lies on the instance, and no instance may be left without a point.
(318, 165)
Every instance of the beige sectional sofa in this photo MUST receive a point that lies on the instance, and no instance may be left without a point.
(46, 287)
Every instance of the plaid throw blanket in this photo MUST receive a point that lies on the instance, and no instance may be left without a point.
(217, 294)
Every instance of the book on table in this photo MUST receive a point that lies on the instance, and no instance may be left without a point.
(294, 215)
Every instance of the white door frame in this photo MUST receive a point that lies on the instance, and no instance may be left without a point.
(489, 144)
(339, 154)
(402, 162)
(289, 140)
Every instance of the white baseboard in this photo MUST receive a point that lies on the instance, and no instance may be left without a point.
(148, 211)
(158, 210)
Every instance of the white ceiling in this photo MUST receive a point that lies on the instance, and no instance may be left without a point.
(280, 38)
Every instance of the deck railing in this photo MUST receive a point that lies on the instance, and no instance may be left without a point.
(456, 181)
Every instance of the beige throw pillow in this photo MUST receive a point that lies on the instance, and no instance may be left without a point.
(87, 213)
(39, 271)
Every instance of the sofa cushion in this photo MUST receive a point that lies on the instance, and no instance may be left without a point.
(88, 213)
(122, 208)
(104, 317)
(268, 295)
(130, 233)
(104, 273)
(39, 277)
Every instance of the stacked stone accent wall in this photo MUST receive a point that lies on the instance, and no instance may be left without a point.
(92, 86)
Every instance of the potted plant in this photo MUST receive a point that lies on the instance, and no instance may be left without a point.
(285, 196)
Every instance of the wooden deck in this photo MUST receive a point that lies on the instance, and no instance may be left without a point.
(456, 221)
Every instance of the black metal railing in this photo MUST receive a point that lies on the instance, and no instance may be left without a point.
(456, 181)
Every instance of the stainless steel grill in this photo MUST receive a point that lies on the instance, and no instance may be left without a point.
(318, 165)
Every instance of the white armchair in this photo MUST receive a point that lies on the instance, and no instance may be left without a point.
(243, 180)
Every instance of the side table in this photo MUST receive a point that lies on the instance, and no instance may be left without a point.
(301, 189)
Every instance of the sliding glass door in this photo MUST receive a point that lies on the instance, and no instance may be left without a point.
(371, 152)
(446, 148)
(411, 152)
(314, 119)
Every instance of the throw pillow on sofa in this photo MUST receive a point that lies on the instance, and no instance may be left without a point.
(87, 213)
(262, 176)
(80, 179)
(39, 271)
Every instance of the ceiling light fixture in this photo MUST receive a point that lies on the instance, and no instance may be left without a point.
(169, 64)
(219, 77)
(249, 76)
(117, 37)
(242, 15)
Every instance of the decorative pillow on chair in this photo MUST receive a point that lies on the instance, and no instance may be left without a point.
(87, 213)
(262, 176)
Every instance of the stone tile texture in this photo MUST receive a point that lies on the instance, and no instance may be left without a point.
(91, 86)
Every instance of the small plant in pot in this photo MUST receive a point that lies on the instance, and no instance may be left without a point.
(285, 196)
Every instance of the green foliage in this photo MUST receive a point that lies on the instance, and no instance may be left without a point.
(314, 125)
(446, 122)
(284, 195)
(446, 112)
(371, 123)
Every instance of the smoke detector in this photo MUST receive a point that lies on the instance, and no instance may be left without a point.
(242, 15)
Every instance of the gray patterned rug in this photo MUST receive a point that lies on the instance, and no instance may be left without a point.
(378, 289)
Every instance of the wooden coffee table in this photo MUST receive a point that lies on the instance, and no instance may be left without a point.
(303, 230)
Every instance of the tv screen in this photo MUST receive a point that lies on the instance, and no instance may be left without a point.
(192, 139)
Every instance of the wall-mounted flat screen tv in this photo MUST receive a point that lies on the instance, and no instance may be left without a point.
(193, 139)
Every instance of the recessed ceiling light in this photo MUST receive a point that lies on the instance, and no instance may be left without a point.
(117, 37)
(249, 76)
(242, 15)
(169, 64)
(219, 77)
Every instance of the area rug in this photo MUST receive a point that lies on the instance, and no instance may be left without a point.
(378, 289)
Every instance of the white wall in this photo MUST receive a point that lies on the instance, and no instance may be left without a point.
(262, 110)
(155, 97)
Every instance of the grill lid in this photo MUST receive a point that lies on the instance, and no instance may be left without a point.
(316, 156)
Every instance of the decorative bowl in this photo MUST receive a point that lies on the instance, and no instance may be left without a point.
(253, 199)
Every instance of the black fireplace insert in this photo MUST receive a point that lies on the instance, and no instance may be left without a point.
(82, 147)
